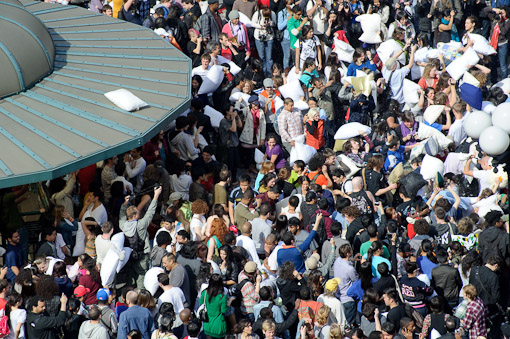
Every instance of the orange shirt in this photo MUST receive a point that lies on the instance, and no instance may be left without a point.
(321, 179)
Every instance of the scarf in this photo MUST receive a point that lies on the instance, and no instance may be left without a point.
(255, 114)
(239, 33)
(495, 37)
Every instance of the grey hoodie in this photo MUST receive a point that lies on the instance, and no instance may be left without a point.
(93, 331)
(129, 227)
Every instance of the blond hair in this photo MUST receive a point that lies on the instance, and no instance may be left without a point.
(323, 315)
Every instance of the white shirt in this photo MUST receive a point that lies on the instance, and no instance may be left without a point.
(397, 82)
(136, 172)
(102, 248)
(272, 260)
(59, 243)
(483, 177)
(307, 49)
(99, 214)
(249, 246)
(200, 71)
(197, 222)
(16, 317)
(127, 184)
(457, 132)
(175, 296)
(319, 18)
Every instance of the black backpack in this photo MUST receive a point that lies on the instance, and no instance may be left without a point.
(235, 291)
(136, 244)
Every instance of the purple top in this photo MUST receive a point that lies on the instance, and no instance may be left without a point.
(277, 150)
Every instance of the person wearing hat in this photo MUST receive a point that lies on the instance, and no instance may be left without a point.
(249, 284)
(390, 69)
(80, 293)
(314, 262)
(329, 299)
(237, 33)
(253, 134)
(108, 318)
(268, 95)
(211, 22)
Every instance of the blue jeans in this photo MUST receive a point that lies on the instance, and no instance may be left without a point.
(350, 312)
(23, 239)
(502, 56)
(286, 52)
(265, 50)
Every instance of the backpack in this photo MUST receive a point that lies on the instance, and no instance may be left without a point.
(360, 201)
(306, 313)
(106, 312)
(235, 291)
(136, 244)
(4, 326)
(275, 124)
(321, 236)
(414, 314)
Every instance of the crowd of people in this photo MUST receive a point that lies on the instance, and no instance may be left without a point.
(325, 187)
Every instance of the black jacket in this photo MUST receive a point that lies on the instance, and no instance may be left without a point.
(446, 281)
(280, 327)
(487, 285)
(40, 326)
(494, 241)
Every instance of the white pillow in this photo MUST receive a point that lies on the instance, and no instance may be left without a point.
(125, 100)
(344, 51)
(245, 20)
(127, 254)
(150, 281)
(300, 139)
(301, 105)
(234, 69)
(432, 113)
(292, 76)
(259, 156)
(470, 79)
(425, 132)
(351, 130)
(430, 166)
(488, 107)
(371, 25)
(51, 264)
(389, 48)
(481, 45)
(118, 240)
(411, 95)
(292, 90)
(212, 80)
(79, 244)
(235, 96)
(301, 152)
(504, 84)
(353, 168)
(459, 66)
(215, 116)
(109, 267)
(72, 271)
(278, 103)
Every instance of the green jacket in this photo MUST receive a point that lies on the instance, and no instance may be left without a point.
(217, 325)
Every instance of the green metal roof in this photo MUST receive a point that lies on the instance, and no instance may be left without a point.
(64, 122)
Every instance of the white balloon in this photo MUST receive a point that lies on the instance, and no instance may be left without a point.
(501, 116)
(476, 122)
(494, 140)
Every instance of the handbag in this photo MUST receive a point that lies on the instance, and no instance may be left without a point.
(4, 325)
(202, 311)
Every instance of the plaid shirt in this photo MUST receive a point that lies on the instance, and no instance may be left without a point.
(290, 125)
(250, 297)
(474, 320)
(143, 7)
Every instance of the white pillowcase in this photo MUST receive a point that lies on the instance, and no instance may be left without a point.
(215, 116)
(301, 152)
(388, 48)
(292, 90)
(353, 168)
(235, 96)
(301, 105)
(79, 244)
(411, 95)
(292, 76)
(125, 100)
(432, 113)
(212, 80)
(371, 25)
(344, 51)
(109, 267)
(459, 66)
(245, 20)
(150, 281)
(481, 45)
(351, 130)
(234, 69)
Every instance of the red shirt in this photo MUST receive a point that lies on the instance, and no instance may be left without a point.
(227, 54)
(93, 285)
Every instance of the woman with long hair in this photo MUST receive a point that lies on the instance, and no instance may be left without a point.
(65, 224)
(274, 152)
(427, 260)
(244, 330)
(374, 179)
(315, 282)
(280, 226)
(265, 168)
(218, 212)
(430, 76)
(145, 299)
(374, 256)
(253, 132)
(216, 240)
(17, 315)
(289, 284)
(216, 303)
(354, 151)
(268, 181)
(364, 282)
(48, 289)
(164, 330)
(308, 46)
(228, 266)
(65, 284)
(90, 279)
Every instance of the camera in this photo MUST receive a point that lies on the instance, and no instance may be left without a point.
(346, 4)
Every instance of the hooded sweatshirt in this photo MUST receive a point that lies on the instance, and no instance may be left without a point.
(89, 330)
(129, 227)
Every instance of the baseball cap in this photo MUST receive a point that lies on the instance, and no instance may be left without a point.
(390, 63)
(250, 267)
(173, 197)
(313, 262)
(332, 284)
(103, 294)
(254, 99)
(268, 82)
(80, 291)
(210, 2)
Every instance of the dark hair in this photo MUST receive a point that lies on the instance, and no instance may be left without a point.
(323, 204)
(59, 270)
(383, 269)
(46, 287)
(230, 260)
(265, 293)
(336, 229)
(493, 217)
(365, 274)
(163, 279)
(194, 328)
(241, 325)
(392, 294)
(287, 238)
(426, 246)
(135, 334)
(163, 238)
(189, 250)
(316, 161)
(287, 270)
(375, 246)
(436, 305)
(165, 323)
(388, 328)
(90, 265)
(215, 286)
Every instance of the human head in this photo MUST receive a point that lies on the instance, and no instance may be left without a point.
(470, 292)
